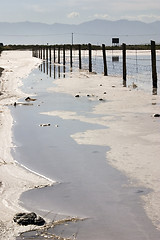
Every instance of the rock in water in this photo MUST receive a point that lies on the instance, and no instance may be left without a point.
(28, 219)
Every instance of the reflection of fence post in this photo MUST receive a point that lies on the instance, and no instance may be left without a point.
(80, 61)
(124, 62)
(104, 60)
(90, 57)
(153, 59)
(43, 53)
(59, 52)
(71, 56)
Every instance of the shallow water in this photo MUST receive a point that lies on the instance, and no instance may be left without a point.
(87, 186)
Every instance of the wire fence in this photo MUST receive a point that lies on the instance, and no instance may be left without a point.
(138, 65)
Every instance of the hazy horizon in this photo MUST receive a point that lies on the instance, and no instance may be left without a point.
(122, 19)
(95, 32)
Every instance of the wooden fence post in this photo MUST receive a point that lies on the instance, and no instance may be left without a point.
(47, 53)
(80, 60)
(90, 57)
(124, 64)
(64, 55)
(59, 54)
(50, 54)
(154, 70)
(54, 54)
(104, 60)
(47, 59)
(71, 56)
(41, 53)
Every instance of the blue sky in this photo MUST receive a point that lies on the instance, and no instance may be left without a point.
(78, 11)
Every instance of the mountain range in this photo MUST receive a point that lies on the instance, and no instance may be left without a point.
(94, 32)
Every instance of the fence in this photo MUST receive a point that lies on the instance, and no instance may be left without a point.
(124, 62)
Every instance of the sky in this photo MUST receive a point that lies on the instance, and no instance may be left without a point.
(78, 11)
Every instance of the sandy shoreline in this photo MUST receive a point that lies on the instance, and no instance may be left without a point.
(13, 179)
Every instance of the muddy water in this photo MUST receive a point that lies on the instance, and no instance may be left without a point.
(86, 185)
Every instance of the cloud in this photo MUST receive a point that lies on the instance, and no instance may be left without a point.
(73, 15)
(102, 16)
(149, 18)
(143, 17)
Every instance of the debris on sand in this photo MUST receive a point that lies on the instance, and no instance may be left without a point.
(28, 99)
(45, 231)
(45, 125)
(20, 103)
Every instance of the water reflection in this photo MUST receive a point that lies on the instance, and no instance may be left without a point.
(44, 69)
(50, 70)
(115, 58)
(64, 71)
(59, 72)
(47, 66)
(55, 70)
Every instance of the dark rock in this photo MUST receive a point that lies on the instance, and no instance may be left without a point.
(15, 104)
(77, 95)
(101, 99)
(39, 221)
(28, 219)
(156, 115)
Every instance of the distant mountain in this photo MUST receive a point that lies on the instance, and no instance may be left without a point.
(95, 32)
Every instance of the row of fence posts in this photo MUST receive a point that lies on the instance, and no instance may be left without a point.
(45, 54)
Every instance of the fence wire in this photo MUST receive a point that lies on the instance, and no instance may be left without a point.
(138, 64)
